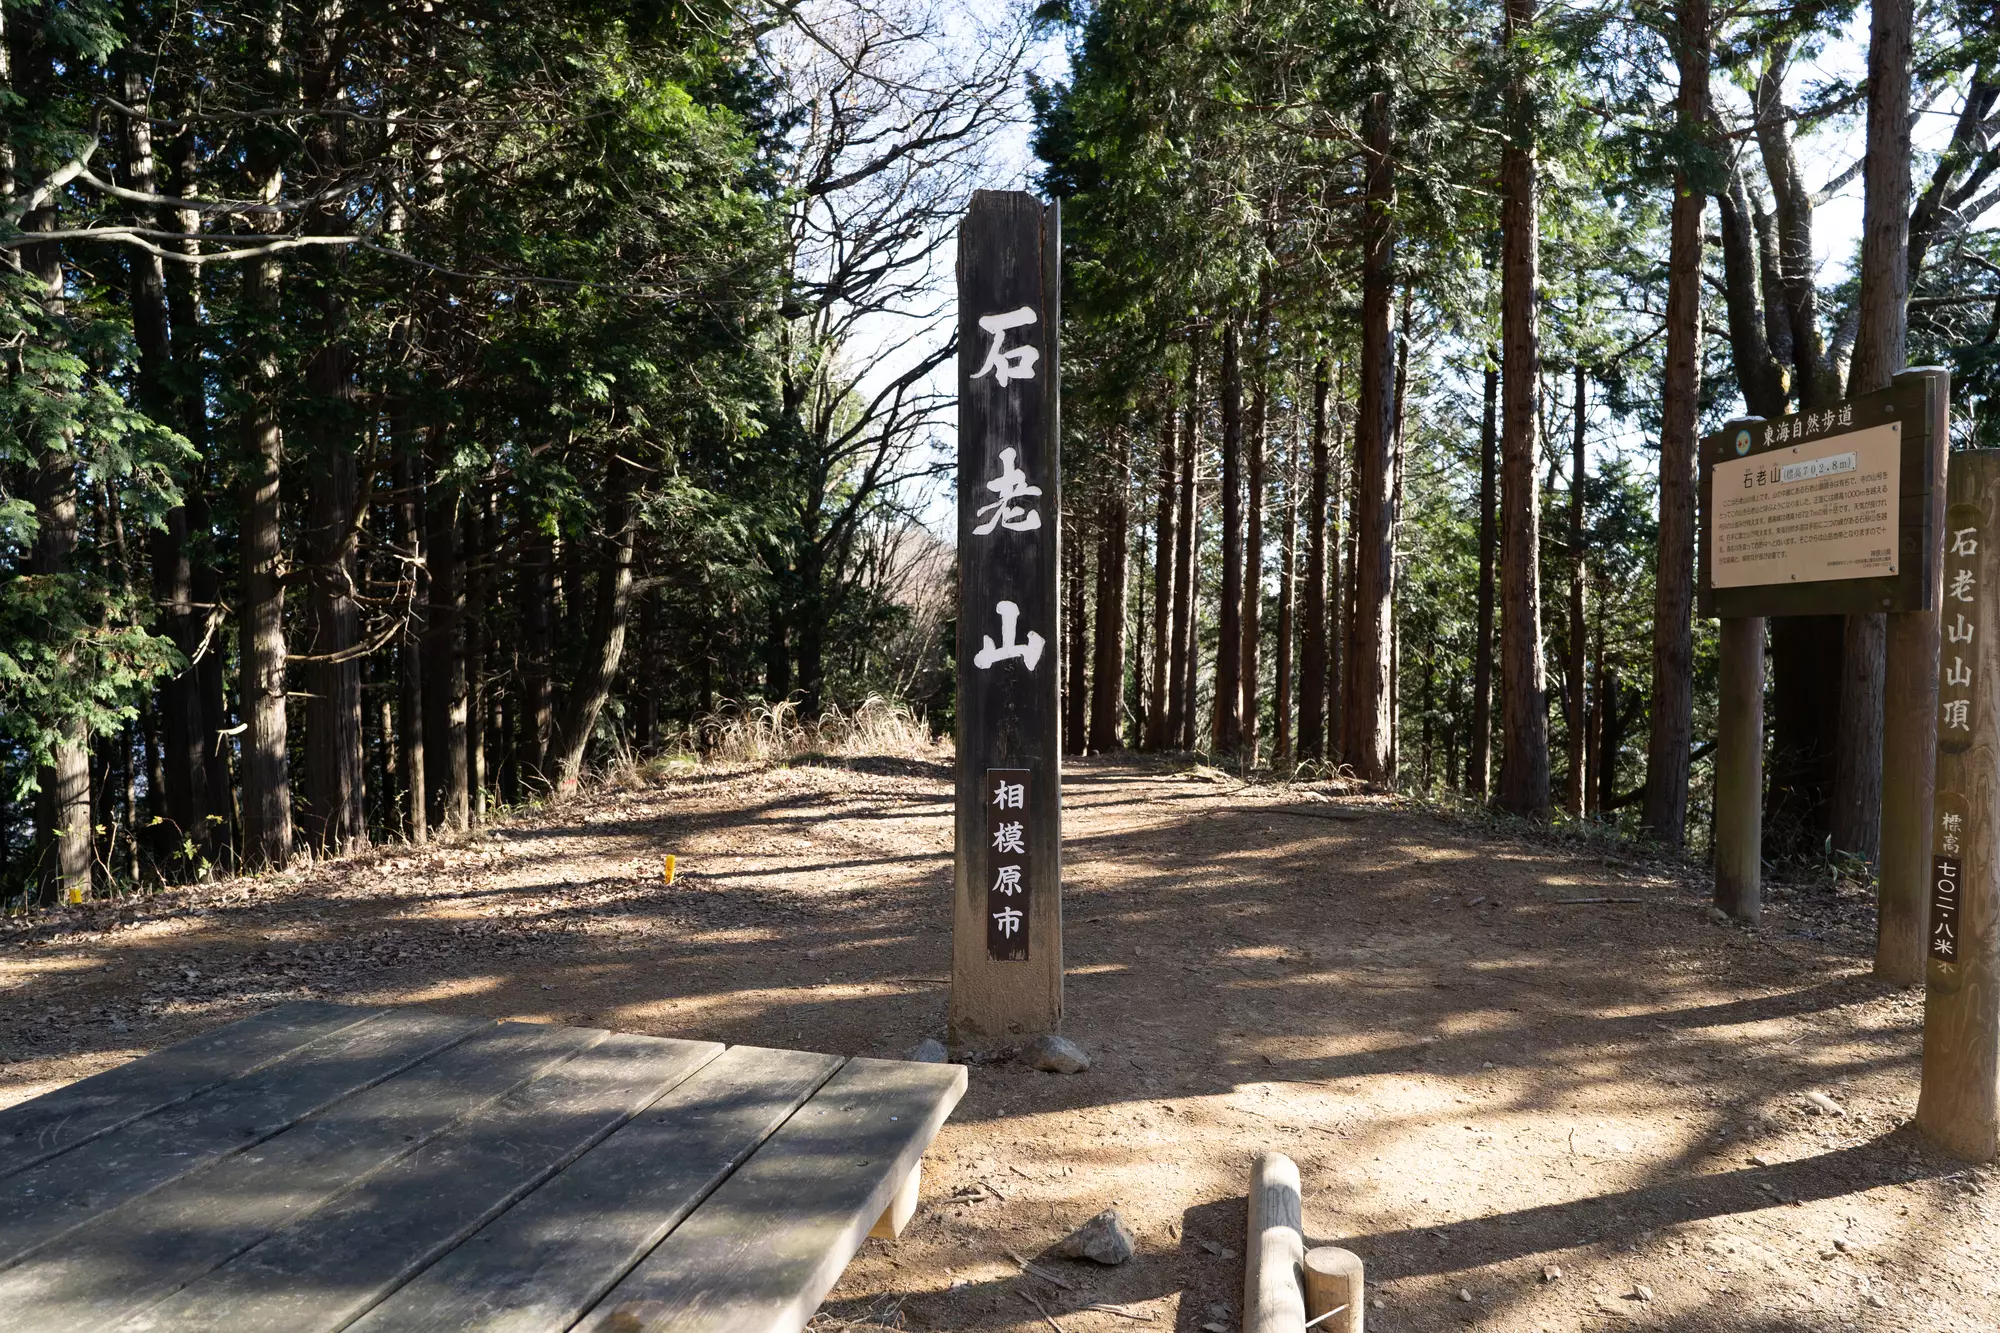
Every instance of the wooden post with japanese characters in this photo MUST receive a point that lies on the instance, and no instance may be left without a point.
(1007, 955)
(1959, 1107)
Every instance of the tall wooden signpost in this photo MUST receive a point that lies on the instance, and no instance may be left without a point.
(1825, 512)
(1007, 958)
(1959, 1108)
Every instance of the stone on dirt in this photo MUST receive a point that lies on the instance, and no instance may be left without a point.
(929, 1051)
(1104, 1239)
(1056, 1055)
(1824, 1104)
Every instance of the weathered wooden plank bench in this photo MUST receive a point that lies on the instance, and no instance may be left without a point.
(319, 1167)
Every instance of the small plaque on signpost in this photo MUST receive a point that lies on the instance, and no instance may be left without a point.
(1009, 877)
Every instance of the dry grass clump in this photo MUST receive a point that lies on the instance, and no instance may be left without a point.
(776, 733)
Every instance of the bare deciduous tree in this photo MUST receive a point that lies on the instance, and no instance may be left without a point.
(890, 109)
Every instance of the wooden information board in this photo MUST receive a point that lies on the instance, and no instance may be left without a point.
(1835, 511)
(1827, 512)
(1006, 973)
(1809, 513)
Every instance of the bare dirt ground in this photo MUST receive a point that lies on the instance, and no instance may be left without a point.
(1522, 1114)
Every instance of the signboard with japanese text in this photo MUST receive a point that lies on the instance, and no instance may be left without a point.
(1808, 513)
(1958, 628)
(1007, 899)
(1959, 642)
(1825, 512)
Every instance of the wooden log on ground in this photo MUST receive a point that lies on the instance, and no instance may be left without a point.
(1275, 1249)
(1334, 1296)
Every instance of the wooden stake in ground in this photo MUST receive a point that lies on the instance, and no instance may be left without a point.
(1334, 1294)
(1006, 974)
(1959, 1108)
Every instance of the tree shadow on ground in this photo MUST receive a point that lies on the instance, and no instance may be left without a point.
(1219, 954)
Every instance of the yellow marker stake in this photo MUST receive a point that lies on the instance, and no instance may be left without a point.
(76, 895)
(667, 872)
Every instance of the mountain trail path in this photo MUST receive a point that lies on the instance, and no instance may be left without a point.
(1523, 1113)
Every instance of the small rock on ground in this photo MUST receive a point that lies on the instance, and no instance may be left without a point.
(1056, 1055)
(1105, 1239)
(929, 1051)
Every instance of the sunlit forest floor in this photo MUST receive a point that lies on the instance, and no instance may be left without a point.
(1522, 1114)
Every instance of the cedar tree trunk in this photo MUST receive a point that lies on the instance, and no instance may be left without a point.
(1370, 719)
(605, 648)
(1878, 354)
(1312, 664)
(447, 780)
(1108, 671)
(1184, 676)
(1228, 655)
(1478, 756)
(1664, 814)
(267, 788)
(1165, 549)
(335, 817)
(1578, 629)
(1524, 719)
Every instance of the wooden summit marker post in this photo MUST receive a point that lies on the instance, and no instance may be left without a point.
(1959, 1108)
(1006, 959)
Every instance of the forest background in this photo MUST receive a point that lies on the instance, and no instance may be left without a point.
(408, 409)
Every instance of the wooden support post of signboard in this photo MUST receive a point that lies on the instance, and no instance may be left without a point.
(1909, 733)
(1007, 955)
(1739, 769)
(1959, 1106)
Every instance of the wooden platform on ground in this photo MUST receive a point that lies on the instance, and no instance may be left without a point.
(319, 1167)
